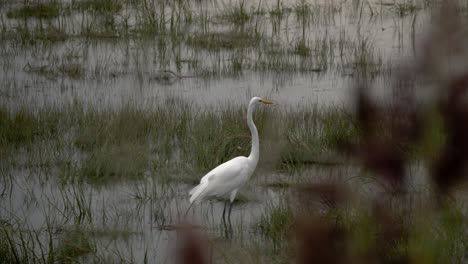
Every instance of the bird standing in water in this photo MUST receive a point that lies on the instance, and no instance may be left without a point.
(226, 179)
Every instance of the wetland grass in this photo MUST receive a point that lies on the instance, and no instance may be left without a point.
(46, 10)
(99, 6)
(237, 15)
(406, 8)
(301, 48)
(246, 44)
(31, 36)
(224, 40)
(125, 161)
(75, 244)
(276, 225)
(65, 161)
(74, 71)
(130, 143)
(24, 127)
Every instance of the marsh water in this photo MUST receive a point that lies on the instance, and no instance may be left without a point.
(211, 54)
(339, 38)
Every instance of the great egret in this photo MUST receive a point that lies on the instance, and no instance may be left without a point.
(226, 179)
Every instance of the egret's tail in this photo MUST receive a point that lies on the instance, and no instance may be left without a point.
(197, 193)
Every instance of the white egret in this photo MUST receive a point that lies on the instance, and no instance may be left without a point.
(226, 179)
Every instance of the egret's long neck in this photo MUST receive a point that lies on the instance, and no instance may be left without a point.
(255, 152)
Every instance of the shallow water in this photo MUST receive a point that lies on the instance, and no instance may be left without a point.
(128, 218)
(127, 221)
(129, 71)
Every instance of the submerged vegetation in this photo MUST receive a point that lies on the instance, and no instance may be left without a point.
(246, 32)
(225, 40)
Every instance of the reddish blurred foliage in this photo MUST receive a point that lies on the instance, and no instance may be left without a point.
(392, 231)
(385, 160)
(445, 57)
(388, 133)
(191, 247)
(321, 241)
(451, 166)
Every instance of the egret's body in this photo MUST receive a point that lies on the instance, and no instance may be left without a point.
(226, 179)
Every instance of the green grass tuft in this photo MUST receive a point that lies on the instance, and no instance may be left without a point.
(27, 36)
(276, 224)
(46, 10)
(301, 48)
(237, 15)
(125, 161)
(99, 6)
(23, 127)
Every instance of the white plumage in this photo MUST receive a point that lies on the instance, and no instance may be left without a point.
(226, 179)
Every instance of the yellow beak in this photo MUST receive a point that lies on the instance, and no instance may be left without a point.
(266, 101)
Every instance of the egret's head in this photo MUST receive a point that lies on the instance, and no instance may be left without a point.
(260, 100)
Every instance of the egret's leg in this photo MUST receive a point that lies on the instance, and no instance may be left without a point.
(229, 223)
(230, 209)
(188, 209)
(233, 197)
(224, 212)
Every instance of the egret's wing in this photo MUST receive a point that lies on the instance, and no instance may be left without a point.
(226, 177)
(222, 180)
(225, 171)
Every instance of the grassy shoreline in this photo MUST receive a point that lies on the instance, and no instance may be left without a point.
(178, 137)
